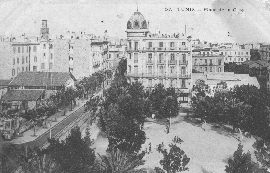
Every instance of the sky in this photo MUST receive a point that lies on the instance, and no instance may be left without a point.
(240, 21)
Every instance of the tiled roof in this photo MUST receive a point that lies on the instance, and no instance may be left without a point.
(22, 95)
(41, 79)
(4, 82)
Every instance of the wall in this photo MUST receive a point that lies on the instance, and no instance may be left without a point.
(5, 60)
(61, 56)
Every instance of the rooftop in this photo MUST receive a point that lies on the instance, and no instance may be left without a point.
(22, 95)
(41, 79)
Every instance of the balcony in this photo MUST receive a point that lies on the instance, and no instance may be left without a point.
(183, 62)
(172, 62)
(159, 75)
(149, 62)
(161, 62)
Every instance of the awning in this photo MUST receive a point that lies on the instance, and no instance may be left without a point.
(22, 95)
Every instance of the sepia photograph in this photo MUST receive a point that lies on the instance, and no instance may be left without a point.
(134, 86)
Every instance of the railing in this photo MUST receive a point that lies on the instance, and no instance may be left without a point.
(150, 62)
(161, 62)
(158, 75)
(172, 61)
(183, 62)
(158, 49)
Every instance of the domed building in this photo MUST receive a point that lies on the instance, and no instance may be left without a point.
(158, 58)
(137, 26)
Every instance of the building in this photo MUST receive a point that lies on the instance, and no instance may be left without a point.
(158, 58)
(231, 79)
(98, 55)
(3, 87)
(48, 81)
(233, 53)
(206, 60)
(264, 52)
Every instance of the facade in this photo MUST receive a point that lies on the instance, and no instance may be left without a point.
(158, 58)
(205, 60)
(3, 87)
(264, 51)
(98, 55)
(233, 53)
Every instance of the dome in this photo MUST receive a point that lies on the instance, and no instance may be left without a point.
(137, 21)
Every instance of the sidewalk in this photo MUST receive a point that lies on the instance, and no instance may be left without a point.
(29, 134)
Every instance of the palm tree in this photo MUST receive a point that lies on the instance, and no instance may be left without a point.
(120, 162)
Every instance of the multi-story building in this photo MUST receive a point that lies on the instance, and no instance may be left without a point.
(98, 55)
(158, 58)
(264, 51)
(206, 60)
(233, 53)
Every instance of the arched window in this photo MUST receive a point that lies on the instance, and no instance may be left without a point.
(183, 70)
(129, 25)
(219, 69)
(144, 25)
(34, 49)
(136, 24)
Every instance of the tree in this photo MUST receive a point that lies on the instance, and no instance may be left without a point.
(262, 153)
(157, 97)
(120, 162)
(174, 161)
(241, 162)
(74, 154)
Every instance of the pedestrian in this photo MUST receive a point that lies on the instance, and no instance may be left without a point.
(150, 147)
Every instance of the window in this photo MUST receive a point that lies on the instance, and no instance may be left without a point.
(160, 60)
(160, 44)
(247, 53)
(135, 58)
(221, 53)
(207, 53)
(149, 69)
(26, 68)
(171, 83)
(136, 69)
(35, 59)
(203, 53)
(22, 68)
(23, 49)
(51, 65)
(51, 46)
(205, 69)
(44, 46)
(26, 59)
(211, 69)
(129, 55)
(51, 56)
(172, 69)
(205, 61)
(18, 60)
(149, 82)
(13, 61)
(129, 69)
(34, 49)
(219, 69)
(110, 56)
(238, 53)
(184, 58)
(34, 68)
(27, 49)
(161, 71)
(18, 70)
(14, 49)
(42, 65)
(136, 46)
(211, 62)
(161, 81)
(172, 44)
(172, 57)
(183, 43)
(129, 45)
(200, 69)
(183, 70)
(242, 59)
(219, 62)
(149, 57)
(183, 85)
(22, 60)
(150, 44)
(44, 54)
(19, 50)
(13, 72)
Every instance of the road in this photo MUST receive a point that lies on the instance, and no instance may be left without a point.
(54, 130)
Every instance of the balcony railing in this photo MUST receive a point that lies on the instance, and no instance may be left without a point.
(149, 62)
(161, 62)
(172, 61)
(158, 75)
(183, 62)
(158, 49)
